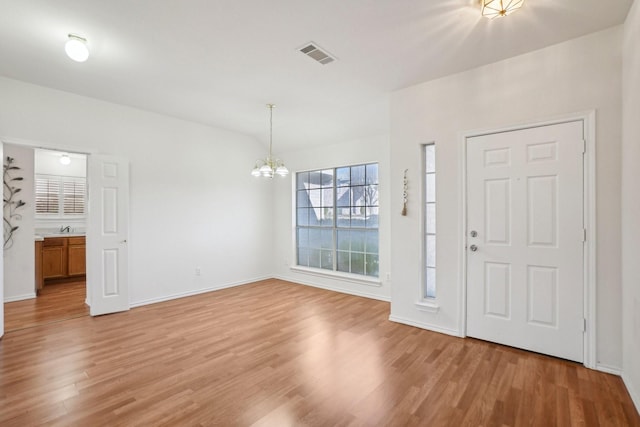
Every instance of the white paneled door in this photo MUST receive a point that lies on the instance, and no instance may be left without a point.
(107, 235)
(525, 238)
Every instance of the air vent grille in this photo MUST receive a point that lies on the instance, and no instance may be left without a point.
(313, 51)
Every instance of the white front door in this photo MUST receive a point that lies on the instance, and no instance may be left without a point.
(525, 237)
(107, 235)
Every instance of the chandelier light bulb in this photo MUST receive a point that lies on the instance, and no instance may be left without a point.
(76, 48)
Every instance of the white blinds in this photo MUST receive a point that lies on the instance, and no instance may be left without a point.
(60, 196)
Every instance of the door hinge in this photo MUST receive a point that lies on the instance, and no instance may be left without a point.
(584, 234)
(584, 146)
(584, 325)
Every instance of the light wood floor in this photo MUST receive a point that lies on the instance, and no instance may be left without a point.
(279, 354)
(55, 302)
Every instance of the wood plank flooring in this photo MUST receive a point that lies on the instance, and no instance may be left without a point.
(279, 354)
(55, 302)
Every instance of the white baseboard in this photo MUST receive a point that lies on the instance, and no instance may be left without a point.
(20, 297)
(140, 303)
(609, 369)
(427, 326)
(633, 392)
(336, 289)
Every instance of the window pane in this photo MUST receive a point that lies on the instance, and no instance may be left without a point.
(357, 263)
(327, 178)
(343, 261)
(431, 188)
(327, 217)
(326, 260)
(303, 257)
(303, 237)
(371, 195)
(358, 175)
(315, 198)
(430, 158)
(358, 240)
(371, 265)
(431, 218)
(372, 173)
(327, 239)
(327, 197)
(431, 283)
(303, 178)
(431, 251)
(302, 199)
(358, 195)
(315, 215)
(344, 240)
(344, 217)
(371, 245)
(343, 177)
(343, 197)
(303, 216)
(315, 238)
(314, 258)
(315, 179)
(372, 218)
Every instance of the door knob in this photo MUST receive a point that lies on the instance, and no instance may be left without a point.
(473, 248)
(474, 233)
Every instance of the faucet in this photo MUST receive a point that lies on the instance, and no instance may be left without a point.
(66, 229)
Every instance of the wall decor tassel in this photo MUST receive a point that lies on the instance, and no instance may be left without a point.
(404, 194)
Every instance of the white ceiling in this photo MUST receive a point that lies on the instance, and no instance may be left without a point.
(219, 62)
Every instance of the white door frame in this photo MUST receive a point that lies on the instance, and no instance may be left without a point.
(589, 126)
(56, 147)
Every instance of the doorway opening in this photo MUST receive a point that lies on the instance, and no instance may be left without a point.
(53, 187)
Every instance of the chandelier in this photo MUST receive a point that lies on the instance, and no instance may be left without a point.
(496, 8)
(268, 167)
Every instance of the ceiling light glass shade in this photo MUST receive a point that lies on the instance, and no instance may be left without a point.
(269, 167)
(76, 48)
(497, 8)
(65, 159)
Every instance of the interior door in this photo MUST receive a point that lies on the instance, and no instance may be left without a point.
(525, 239)
(107, 235)
(2, 267)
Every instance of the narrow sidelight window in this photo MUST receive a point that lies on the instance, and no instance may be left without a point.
(430, 221)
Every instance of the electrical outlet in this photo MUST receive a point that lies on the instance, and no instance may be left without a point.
(197, 271)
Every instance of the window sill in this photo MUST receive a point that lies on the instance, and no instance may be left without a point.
(361, 280)
(427, 306)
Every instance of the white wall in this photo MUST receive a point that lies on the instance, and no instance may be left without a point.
(631, 202)
(571, 77)
(193, 202)
(19, 259)
(373, 149)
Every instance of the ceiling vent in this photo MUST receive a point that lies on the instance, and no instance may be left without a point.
(313, 51)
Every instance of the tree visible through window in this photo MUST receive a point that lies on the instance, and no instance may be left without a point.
(337, 219)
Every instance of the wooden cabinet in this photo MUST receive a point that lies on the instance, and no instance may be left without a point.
(76, 258)
(38, 266)
(63, 257)
(54, 258)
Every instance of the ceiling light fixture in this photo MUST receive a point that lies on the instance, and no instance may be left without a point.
(268, 167)
(76, 48)
(65, 159)
(497, 8)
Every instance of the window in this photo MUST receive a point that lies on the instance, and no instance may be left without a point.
(337, 219)
(430, 221)
(60, 196)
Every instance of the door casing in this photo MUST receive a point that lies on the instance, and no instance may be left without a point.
(589, 209)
